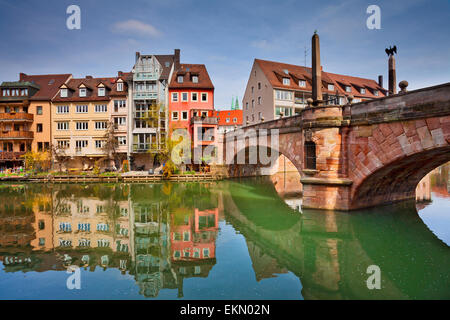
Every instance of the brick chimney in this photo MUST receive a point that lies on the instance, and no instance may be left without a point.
(21, 76)
(176, 58)
(138, 54)
(380, 80)
(316, 70)
(392, 76)
(120, 73)
(88, 77)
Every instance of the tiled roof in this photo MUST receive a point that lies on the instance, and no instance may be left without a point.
(92, 92)
(222, 116)
(276, 71)
(163, 59)
(187, 71)
(48, 84)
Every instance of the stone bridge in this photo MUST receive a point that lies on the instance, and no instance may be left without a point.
(356, 155)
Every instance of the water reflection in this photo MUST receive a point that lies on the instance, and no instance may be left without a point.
(167, 236)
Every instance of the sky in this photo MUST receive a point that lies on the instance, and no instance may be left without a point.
(226, 36)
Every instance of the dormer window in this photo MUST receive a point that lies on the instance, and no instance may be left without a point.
(330, 87)
(101, 92)
(195, 79)
(180, 79)
(362, 91)
(348, 89)
(63, 93)
(82, 92)
(375, 93)
(302, 83)
(119, 86)
(286, 81)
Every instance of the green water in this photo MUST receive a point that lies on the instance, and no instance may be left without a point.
(220, 240)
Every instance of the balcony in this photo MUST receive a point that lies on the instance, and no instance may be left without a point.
(18, 116)
(204, 120)
(141, 95)
(12, 156)
(141, 75)
(16, 135)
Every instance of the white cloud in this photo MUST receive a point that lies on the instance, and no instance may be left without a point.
(260, 44)
(136, 27)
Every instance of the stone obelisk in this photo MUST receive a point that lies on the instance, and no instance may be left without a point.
(316, 70)
(392, 75)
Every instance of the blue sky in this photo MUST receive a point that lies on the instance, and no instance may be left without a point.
(226, 36)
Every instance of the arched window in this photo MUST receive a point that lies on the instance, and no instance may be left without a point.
(310, 155)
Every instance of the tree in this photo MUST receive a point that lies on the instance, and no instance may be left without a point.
(59, 154)
(111, 146)
(37, 161)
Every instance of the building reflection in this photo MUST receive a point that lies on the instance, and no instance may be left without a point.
(52, 228)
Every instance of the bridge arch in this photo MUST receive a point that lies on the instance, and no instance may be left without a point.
(388, 164)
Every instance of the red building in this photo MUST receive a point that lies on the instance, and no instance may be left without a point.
(228, 120)
(191, 104)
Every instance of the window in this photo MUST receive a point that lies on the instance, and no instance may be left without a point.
(205, 252)
(82, 109)
(186, 236)
(204, 97)
(99, 144)
(259, 115)
(42, 241)
(39, 110)
(81, 144)
(119, 86)
(99, 125)
(253, 89)
(62, 109)
(184, 96)
(63, 93)
(194, 96)
(375, 92)
(122, 141)
(101, 108)
(39, 127)
(204, 114)
(348, 89)
(39, 146)
(246, 106)
(174, 96)
(362, 90)
(227, 120)
(180, 79)
(283, 95)
(302, 83)
(82, 92)
(101, 92)
(310, 155)
(195, 79)
(330, 87)
(259, 100)
(175, 115)
(259, 85)
(82, 125)
(120, 121)
(63, 144)
(286, 81)
(62, 125)
(253, 103)
(119, 104)
(184, 115)
(283, 112)
(234, 120)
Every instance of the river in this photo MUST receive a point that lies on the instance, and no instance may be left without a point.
(234, 239)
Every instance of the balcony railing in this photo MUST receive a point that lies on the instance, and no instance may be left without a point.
(17, 116)
(141, 75)
(145, 95)
(204, 120)
(6, 135)
(9, 155)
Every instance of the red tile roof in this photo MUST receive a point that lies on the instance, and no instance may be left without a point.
(92, 92)
(223, 115)
(48, 84)
(187, 71)
(276, 71)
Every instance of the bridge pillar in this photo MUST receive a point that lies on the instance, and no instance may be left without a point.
(325, 171)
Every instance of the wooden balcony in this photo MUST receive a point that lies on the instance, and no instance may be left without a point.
(204, 120)
(12, 156)
(16, 116)
(16, 135)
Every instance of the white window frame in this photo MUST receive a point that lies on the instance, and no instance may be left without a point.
(206, 93)
(61, 127)
(286, 81)
(194, 79)
(302, 83)
(182, 97)
(175, 115)
(101, 125)
(180, 79)
(184, 115)
(99, 144)
(101, 92)
(82, 92)
(63, 144)
(122, 140)
(101, 108)
(362, 90)
(348, 89)
(80, 108)
(330, 87)
(63, 93)
(82, 125)
(196, 96)
(120, 86)
(81, 144)
(174, 96)
(62, 109)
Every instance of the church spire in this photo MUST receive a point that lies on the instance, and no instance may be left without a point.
(236, 105)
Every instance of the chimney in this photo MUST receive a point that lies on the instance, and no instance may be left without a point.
(380, 80)
(316, 70)
(176, 58)
(138, 54)
(21, 76)
(392, 76)
(120, 73)
(88, 77)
